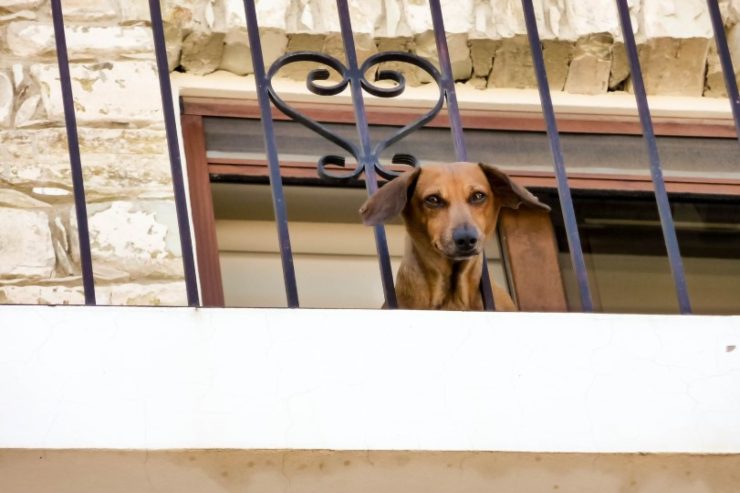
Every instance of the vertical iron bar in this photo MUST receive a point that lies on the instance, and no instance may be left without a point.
(78, 185)
(727, 68)
(566, 200)
(447, 84)
(367, 158)
(661, 196)
(173, 147)
(278, 198)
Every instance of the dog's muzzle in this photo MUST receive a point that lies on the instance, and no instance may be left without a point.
(466, 241)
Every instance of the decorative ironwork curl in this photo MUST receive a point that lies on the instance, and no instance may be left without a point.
(322, 74)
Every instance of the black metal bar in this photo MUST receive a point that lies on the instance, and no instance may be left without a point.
(278, 197)
(566, 200)
(447, 83)
(727, 68)
(173, 147)
(78, 184)
(661, 196)
(366, 157)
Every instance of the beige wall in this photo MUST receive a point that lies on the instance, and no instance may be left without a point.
(212, 471)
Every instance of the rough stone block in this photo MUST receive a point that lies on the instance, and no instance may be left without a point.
(674, 67)
(459, 49)
(35, 39)
(620, 70)
(424, 46)
(42, 295)
(414, 76)
(39, 158)
(173, 42)
(301, 42)
(201, 52)
(120, 92)
(557, 55)
(25, 243)
(715, 81)
(137, 238)
(482, 52)
(364, 47)
(591, 66)
(512, 65)
(236, 57)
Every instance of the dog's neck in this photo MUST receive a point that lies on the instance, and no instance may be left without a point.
(429, 280)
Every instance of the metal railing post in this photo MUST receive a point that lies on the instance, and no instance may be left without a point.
(173, 148)
(276, 181)
(656, 172)
(566, 199)
(447, 83)
(78, 182)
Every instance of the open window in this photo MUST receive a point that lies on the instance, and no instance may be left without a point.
(334, 254)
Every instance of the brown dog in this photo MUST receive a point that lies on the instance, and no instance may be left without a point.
(449, 210)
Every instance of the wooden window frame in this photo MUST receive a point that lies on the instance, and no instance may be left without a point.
(527, 237)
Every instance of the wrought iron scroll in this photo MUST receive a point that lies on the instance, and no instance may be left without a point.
(371, 87)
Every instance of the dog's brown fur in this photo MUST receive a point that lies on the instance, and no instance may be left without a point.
(449, 210)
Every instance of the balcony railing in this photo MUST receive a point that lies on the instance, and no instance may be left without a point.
(366, 153)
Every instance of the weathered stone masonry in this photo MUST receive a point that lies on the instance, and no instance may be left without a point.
(133, 227)
(132, 221)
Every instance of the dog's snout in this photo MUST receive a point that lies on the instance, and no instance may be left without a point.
(465, 238)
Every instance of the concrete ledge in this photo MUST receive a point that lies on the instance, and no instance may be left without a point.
(171, 378)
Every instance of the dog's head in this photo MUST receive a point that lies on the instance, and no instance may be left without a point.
(452, 207)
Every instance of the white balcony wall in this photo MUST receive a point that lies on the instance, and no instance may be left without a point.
(180, 378)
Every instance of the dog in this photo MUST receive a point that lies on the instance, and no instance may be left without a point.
(448, 210)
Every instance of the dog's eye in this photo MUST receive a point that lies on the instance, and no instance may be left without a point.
(477, 198)
(433, 201)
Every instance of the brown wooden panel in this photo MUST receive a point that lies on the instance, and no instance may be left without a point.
(471, 119)
(201, 203)
(528, 240)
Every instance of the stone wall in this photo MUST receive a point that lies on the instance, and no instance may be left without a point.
(582, 40)
(132, 220)
(133, 229)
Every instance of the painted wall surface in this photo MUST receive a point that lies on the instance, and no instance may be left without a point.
(179, 378)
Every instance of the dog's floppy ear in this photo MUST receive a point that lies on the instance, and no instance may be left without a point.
(390, 199)
(507, 191)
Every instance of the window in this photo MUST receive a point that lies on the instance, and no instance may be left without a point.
(334, 253)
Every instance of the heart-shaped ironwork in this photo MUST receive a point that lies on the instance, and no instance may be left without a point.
(322, 74)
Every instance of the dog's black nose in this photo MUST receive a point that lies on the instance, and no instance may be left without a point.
(465, 239)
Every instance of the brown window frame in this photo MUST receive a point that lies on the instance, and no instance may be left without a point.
(527, 237)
